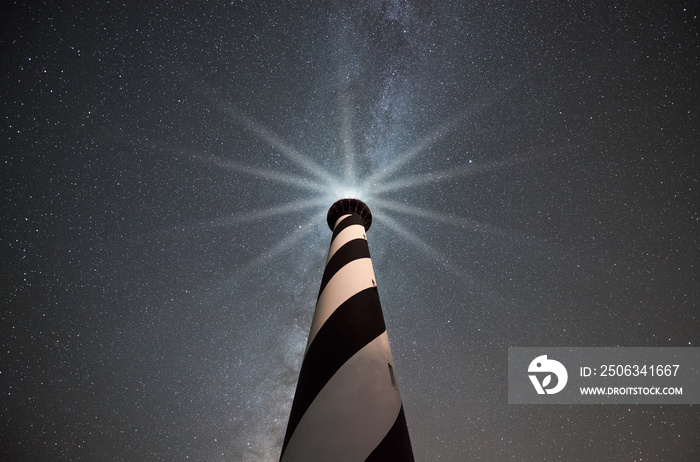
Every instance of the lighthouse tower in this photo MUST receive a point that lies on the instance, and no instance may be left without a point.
(347, 405)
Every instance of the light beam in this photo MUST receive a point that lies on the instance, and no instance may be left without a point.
(269, 212)
(285, 244)
(461, 222)
(435, 177)
(265, 173)
(270, 137)
(439, 132)
(423, 246)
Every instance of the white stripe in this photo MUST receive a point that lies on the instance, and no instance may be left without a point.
(353, 413)
(348, 234)
(340, 218)
(352, 278)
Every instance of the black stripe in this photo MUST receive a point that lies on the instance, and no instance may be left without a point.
(351, 250)
(396, 445)
(353, 219)
(352, 325)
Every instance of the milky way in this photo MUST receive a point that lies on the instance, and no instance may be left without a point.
(166, 169)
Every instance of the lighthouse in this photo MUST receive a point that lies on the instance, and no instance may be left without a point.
(347, 405)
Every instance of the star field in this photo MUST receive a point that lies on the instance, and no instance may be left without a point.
(531, 169)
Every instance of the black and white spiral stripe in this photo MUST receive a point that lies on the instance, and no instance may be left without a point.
(347, 405)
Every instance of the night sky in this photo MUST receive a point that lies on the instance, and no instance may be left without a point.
(532, 169)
